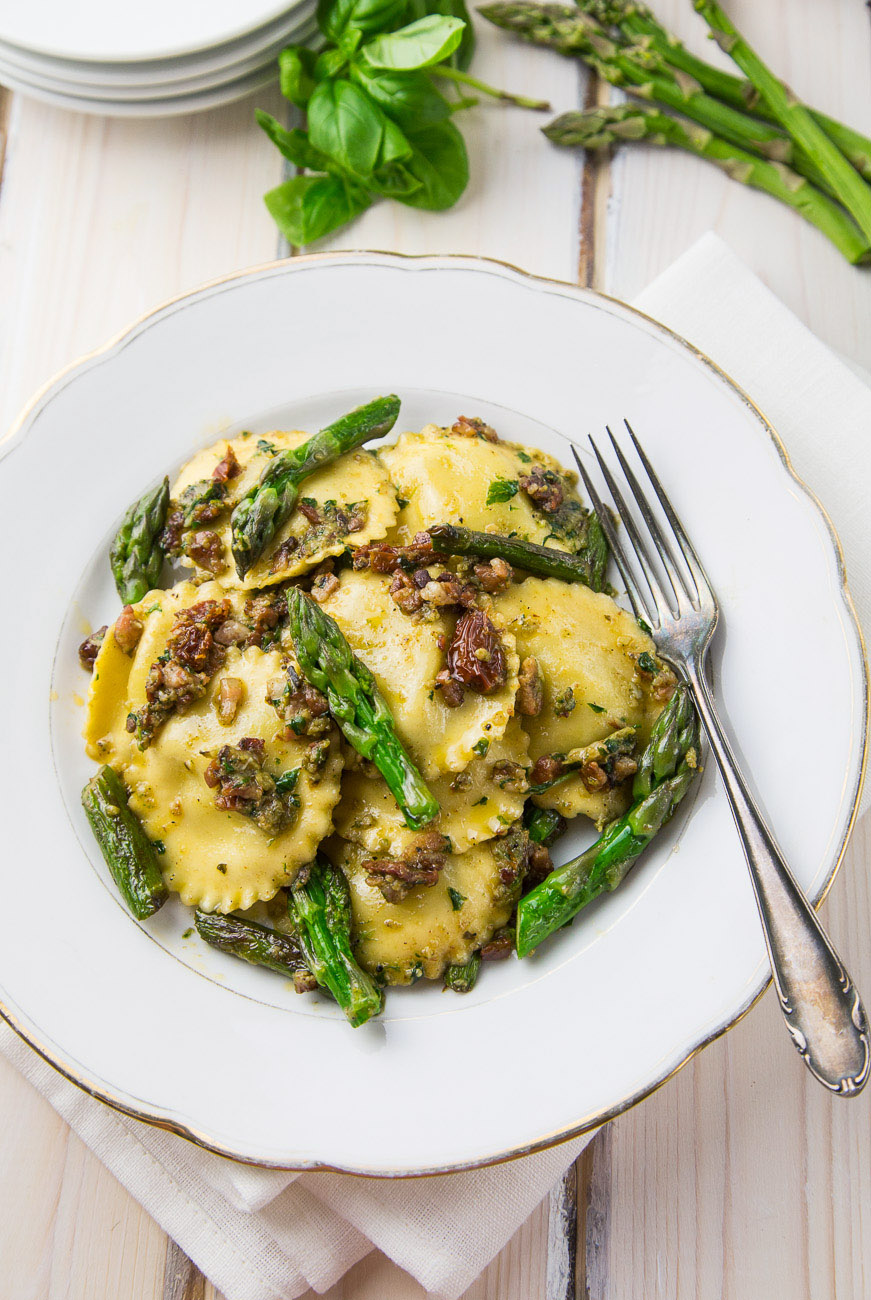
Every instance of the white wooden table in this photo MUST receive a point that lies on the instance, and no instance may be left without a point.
(740, 1178)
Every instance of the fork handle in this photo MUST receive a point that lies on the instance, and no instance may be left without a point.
(820, 1003)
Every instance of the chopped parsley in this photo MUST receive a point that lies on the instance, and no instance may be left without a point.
(597, 708)
(502, 489)
(646, 662)
(479, 802)
(188, 932)
(268, 448)
(645, 627)
(286, 783)
(521, 455)
(481, 746)
(457, 899)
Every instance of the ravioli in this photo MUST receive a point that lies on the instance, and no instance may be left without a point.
(429, 930)
(445, 477)
(357, 479)
(586, 648)
(218, 860)
(476, 804)
(405, 653)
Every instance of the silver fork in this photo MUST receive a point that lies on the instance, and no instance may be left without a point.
(820, 1003)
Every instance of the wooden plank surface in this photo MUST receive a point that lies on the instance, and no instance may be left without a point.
(740, 1177)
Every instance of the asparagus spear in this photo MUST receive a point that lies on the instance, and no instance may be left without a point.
(811, 140)
(462, 979)
(261, 512)
(320, 907)
(605, 864)
(327, 662)
(602, 127)
(587, 567)
(571, 32)
(130, 855)
(640, 26)
(136, 556)
(543, 824)
(258, 944)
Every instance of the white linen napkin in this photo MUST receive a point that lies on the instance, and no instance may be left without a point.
(264, 1235)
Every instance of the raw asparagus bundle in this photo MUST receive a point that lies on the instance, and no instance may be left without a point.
(255, 943)
(587, 566)
(262, 511)
(600, 128)
(136, 556)
(320, 907)
(625, 45)
(638, 26)
(328, 663)
(568, 30)
(809, 138)
(665, 773)
(130, 855)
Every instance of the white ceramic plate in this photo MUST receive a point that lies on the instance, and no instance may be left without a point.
(171, 106)
(263, 63)
(77, 76)
(114, 31)
(174, 1032)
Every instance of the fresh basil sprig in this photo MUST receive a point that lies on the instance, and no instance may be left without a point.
(377, 126)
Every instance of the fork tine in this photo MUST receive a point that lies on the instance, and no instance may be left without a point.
(664, 551)
(636, 600)
(687, 550)
(660, 600)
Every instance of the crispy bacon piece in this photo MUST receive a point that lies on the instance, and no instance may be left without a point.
(90, 648)
(544, 488)
(230, 692)
(472, 427)
(396, 877)
(206, 549)
(530, 689)
(127, 630)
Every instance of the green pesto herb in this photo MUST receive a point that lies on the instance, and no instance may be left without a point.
(647, 663)
(286, 783)
(597, 708)
(502, 489)
(481, 746)
(457, 899)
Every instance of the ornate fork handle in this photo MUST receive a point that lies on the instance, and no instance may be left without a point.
(820, 1004)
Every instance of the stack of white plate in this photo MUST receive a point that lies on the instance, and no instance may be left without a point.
(129, 58)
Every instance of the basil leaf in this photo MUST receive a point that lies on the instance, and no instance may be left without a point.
(440, 162)
(419, 45)
(329, 64)
(349, 128)
(334, 16)
(409, 98)
(295, 145)
(296, 70)
(308, 207)
(462, 55)
(394, 181)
